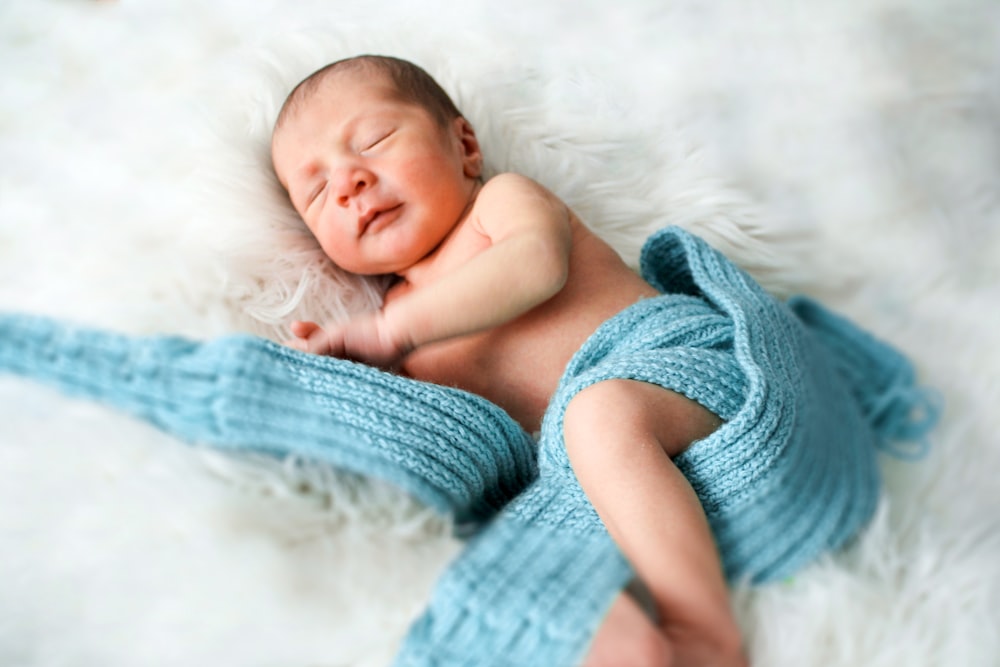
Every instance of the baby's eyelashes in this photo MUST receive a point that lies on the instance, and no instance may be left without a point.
(375, 141)
(314, 195)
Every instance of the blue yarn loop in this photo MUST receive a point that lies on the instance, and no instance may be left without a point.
(806, 396)
(903, 415)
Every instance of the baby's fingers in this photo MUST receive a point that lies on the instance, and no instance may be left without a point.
(309, 337)
(303, 329)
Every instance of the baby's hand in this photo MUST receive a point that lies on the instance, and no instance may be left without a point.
(361, 339)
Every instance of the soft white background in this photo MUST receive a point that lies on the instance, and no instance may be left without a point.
(846, 148)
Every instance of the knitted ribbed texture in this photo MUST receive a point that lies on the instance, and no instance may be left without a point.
(880, 379)
(805, 395)
(455, 451)
(530, 590)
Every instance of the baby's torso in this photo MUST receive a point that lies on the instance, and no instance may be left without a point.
(518, 365)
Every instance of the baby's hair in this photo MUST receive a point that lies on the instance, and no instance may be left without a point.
(412, 83)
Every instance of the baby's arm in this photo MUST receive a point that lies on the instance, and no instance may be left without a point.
(526, 263)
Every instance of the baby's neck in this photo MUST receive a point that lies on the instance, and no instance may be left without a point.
(428, 267)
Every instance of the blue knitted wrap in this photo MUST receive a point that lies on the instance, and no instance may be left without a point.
(806, 398)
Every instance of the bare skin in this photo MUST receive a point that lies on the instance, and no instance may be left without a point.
(498, 285)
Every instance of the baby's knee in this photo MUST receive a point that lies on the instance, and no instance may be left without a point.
(602, 409)
(613, 417)
(603, 426)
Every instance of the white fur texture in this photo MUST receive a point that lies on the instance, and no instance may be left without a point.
(845, 148)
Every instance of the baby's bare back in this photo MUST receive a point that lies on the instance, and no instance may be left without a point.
(518, 365)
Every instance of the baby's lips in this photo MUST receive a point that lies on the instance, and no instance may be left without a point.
(370, 215)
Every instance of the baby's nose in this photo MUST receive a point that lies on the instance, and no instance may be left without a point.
(352, 182)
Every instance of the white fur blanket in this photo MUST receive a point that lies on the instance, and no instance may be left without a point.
(845, 148)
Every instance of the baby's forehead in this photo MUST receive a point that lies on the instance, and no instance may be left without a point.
(334, 94)
(355, 81)
(342, 92)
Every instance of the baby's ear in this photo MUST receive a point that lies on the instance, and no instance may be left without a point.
(472, 155)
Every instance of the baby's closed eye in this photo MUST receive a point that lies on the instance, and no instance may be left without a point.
(375, 140)
(316, 192)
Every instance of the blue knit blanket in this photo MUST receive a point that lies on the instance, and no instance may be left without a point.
(807, 399)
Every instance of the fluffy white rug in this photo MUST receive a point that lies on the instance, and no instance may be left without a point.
(845, 148)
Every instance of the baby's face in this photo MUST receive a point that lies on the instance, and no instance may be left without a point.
(378, 181)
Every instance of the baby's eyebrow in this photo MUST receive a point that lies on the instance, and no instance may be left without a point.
(378, 115)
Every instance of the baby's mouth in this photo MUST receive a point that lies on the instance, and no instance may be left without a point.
(375, 219)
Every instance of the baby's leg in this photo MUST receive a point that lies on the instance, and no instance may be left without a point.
(620, 436)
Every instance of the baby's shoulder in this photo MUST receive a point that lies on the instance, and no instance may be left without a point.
(510, 189)
(511, 182)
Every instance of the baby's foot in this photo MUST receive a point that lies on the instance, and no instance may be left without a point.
(627, 638)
